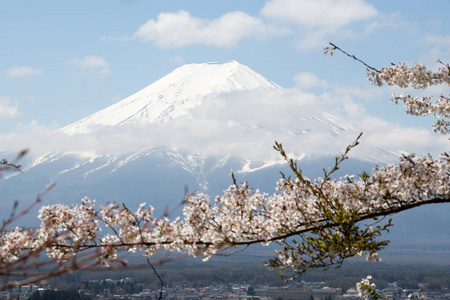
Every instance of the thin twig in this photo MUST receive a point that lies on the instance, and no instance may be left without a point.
(354, 57)
(232, 253)
(159, 277)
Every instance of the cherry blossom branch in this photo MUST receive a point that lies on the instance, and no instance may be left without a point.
(324, 216)
(159, 278)
(417, 76)
(330, 51)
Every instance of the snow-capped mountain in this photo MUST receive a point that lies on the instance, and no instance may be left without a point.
(179, 100)
(174, 95)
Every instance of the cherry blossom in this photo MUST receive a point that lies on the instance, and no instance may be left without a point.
(367, 290)
(417, 76)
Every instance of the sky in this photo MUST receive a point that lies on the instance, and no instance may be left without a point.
(61, 61)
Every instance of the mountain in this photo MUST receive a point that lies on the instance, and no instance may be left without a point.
(174, 95)
(193, 128)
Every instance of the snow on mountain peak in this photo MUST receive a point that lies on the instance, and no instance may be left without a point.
(174, 95)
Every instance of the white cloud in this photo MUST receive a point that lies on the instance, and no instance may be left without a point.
(23, 72)
(392, 136)
(171, 30)
(246, 124)
(307, 80)
(312, 22)
(91, 66)
(328, 14)
(318, 19)
(8, 107)
(243, 124)
(437, 47)
(437, 40)
(355, 92)
(389, 21)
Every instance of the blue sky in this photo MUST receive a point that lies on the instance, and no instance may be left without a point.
(63, 60)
